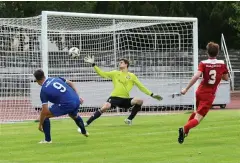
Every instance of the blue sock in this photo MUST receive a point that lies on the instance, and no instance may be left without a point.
(46, 129)
(80, 124)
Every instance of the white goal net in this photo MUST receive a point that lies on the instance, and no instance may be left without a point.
(162, 53)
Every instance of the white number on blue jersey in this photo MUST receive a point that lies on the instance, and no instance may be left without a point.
(59, 86)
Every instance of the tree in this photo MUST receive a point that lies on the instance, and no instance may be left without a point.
(235, 19)
(214, 18)
(31, 8)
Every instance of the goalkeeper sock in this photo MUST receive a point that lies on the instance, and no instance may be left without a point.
(134, 112)
(192, 123)
(80, 124)
(96, 115)
(46, 129)
(191, 116)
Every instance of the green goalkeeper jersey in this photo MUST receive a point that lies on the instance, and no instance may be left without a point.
(123, 82)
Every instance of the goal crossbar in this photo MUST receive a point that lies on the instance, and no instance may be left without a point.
(126, 17)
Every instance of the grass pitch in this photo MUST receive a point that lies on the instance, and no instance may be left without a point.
(151, 139)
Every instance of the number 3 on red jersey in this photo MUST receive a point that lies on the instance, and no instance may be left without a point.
(212, 77)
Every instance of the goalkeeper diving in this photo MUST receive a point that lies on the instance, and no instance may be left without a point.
(123, 82)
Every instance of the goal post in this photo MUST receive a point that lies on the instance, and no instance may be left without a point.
(44, 42)
(195, 58)
(163, 53)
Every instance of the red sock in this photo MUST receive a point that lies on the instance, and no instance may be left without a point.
(192, 123)
(192, 116)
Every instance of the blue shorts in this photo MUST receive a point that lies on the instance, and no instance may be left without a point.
(63, 109)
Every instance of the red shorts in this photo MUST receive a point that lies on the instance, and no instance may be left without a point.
(204, 102)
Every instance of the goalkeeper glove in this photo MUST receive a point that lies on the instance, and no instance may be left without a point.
(90, 60)
(157, 97)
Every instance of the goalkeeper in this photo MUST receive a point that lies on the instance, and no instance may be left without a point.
(123, 82)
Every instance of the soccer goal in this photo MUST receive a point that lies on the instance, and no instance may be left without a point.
(163, 53)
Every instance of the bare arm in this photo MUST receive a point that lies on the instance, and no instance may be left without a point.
(192, 82)
(71, 84)
(225, 77)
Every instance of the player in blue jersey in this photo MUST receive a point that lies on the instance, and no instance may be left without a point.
(63, 94)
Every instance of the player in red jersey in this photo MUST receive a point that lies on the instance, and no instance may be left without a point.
(213, 71)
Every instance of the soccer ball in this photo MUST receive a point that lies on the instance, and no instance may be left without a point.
(74, 52)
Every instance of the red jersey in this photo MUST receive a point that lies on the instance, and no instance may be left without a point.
(213, 71)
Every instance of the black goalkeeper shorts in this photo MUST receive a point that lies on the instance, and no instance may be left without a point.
(120, 102)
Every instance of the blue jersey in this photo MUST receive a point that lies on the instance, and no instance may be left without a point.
(57, 91)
